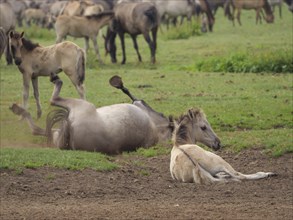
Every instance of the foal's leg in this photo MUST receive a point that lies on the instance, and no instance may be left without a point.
(136, 46)
(151, 45)
(96, 46)
(25, 92)
(236, 176)
(86, 44)
(36, 95)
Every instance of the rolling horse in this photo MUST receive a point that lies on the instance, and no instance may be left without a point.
(135, 19)
(34, 60)
(110, 129)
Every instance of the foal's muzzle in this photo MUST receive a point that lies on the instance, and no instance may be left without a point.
(17, 61)
(217, 144)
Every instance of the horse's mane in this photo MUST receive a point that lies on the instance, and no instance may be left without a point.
(100, 15)
(267, 7)
(28, 45)
(180, 133)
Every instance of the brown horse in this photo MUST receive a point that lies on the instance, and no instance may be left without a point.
(257, 5)
(134, 19)
(34, 60)
(87, 27)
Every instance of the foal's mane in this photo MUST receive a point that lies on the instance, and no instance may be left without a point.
(180, 134)
(28, 45)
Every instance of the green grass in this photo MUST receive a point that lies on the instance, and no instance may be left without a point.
(246, 110)
(34, 158)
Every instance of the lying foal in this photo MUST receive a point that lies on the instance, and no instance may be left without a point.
(191, 163)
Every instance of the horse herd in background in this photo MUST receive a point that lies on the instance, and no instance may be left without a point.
(121, 127)
(84, 18)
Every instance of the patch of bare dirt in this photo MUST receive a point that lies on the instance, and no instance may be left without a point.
(142, 188)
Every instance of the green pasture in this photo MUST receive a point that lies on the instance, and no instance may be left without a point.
(240, 76)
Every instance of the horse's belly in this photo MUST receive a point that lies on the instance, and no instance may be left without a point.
(117, 128)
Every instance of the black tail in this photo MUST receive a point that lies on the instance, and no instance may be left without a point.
(116, 82)
(153, 16)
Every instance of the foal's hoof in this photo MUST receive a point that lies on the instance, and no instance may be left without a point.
(272, 174)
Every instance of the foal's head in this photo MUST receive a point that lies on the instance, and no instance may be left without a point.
(16, 43)
(193, 127)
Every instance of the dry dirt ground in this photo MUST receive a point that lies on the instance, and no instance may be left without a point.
(142, 188)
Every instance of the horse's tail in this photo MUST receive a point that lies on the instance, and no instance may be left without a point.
(153, 16)
(80, 65)
(27, 116)
(58, 116)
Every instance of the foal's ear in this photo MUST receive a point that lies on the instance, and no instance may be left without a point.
(10, 34)
(22, 34)
(190, 113)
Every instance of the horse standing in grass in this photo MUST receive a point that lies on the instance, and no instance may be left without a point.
(8, 23)
(134, 19)
(34, 60)
(191, 163)
(277, 3)
(257, 5)
(3, 41)
(109, 129)
(87, 27)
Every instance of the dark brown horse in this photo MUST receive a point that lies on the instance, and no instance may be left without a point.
(258, 5)
(134, 19)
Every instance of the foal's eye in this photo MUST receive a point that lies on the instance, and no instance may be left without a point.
(203, 128)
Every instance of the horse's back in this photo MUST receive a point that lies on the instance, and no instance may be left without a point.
(136, 17)
(113, 129)
(7, 17)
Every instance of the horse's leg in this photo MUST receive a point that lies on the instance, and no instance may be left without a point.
(151, 45)
(136, 46)
(56, 100)
(121, 36)
(154, 36)
(238, 16)
(258, 16)
(36, 95)
(96, 46)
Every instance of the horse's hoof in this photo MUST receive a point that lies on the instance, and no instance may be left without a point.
(54, 78)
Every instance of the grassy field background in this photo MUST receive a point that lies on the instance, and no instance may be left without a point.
(247, 110)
